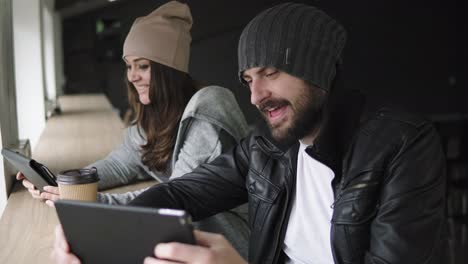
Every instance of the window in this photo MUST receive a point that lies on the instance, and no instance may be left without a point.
(8, 123)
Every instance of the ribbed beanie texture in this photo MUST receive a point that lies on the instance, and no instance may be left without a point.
(163, 36)
(298, 39)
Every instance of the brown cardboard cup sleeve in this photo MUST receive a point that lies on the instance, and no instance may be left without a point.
(78, 184)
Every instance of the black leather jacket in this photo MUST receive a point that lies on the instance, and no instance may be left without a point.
(389, 189)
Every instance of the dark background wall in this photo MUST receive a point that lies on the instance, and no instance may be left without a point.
(402, 52)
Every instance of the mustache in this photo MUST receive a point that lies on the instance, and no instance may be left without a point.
(272, 103)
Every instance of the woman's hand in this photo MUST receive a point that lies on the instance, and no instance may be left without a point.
(50, 194)
(211, 248)
(35, 193)
(61, 252)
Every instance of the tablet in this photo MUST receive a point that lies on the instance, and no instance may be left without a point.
(35, 172)
(102, 233)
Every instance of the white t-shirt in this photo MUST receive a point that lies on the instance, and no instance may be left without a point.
(307, 238)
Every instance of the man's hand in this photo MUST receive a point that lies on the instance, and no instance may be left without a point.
(50, 194)
(61, 252)
(211, 248)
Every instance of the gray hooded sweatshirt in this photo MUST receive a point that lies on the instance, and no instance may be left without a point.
(212, 123)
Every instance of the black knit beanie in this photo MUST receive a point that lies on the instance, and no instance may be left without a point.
(298, 39)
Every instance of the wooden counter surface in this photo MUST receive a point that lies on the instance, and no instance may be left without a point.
(86, 131)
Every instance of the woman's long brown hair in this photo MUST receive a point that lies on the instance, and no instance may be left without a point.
(169, 92)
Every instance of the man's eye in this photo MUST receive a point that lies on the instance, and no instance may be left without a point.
(128, 67)
(271, 74)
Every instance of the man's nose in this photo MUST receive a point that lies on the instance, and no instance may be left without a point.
(259, 92)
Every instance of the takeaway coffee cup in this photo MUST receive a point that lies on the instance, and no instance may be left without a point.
(78, 184)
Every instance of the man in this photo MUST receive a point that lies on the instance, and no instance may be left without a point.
(343, 186)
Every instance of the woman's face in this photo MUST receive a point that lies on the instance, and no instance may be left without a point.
(139, 74)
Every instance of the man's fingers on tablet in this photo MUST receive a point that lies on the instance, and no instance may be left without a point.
(207, 239)
(61, 257)
(182, 252)
(60, 241)
(150, 260)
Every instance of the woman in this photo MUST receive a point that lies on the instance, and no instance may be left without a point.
(177, 126)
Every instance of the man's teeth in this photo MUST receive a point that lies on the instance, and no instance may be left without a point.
(272, 109)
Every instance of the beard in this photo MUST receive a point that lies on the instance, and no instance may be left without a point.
(307, 114)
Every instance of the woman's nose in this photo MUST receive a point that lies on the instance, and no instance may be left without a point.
(132, 75)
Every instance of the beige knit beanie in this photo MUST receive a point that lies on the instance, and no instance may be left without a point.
(163, 36)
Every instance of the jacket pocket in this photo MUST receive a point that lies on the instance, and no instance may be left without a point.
(357, 199)
(261, 188)
(355, 208)
(262, 196)
(351, 228)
